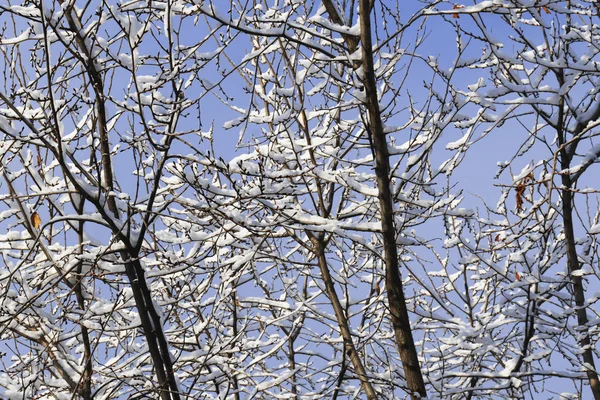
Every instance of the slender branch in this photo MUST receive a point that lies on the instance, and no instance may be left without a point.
(342, 319)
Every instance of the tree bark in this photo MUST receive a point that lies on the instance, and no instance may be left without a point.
(393, 281)
(566, 153)
(578, 290)
(85, 383)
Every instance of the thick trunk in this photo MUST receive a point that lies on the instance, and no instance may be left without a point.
(566, 153)
(152, 327)
(578, 290)
(393, 281)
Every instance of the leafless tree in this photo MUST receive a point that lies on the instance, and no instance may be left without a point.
(150, 252)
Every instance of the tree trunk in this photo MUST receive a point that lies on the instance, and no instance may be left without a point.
(578, 290)
(393, 280)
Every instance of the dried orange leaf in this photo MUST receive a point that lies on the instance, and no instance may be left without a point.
(520, 192)
(518, 276)
(530, 177)
(546, 9)
(456, 7)
(36, 221)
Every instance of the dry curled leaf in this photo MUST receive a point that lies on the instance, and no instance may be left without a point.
(518, 277)
(456, 7)
(520, 191)
(546, 9)
(36, 221)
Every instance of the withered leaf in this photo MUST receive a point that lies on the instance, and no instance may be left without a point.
(456, 7)
(36, 220)
(520, 192)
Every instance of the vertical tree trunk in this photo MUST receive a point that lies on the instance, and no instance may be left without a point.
(85, 384)
(393, 280)
(578, 290)
(566, 155)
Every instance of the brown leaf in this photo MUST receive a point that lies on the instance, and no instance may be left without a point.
(518, 277)
(456, 7)
(36, 221)
(530, 177)
(546, 9)
(520, 191)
